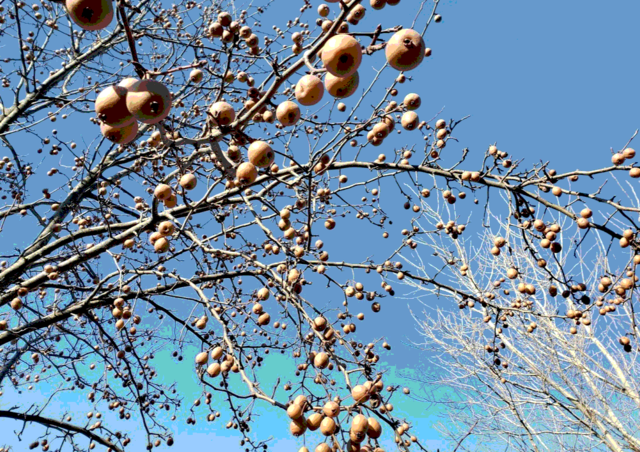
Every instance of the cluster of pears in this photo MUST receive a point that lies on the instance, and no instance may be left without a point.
(324, 419)
(120, 107)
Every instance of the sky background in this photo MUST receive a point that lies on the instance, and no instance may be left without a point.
(546, 80)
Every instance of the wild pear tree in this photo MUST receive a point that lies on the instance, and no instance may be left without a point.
(171, 175)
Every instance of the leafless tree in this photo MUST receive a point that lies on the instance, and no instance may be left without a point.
(541, 352)
(144, 212)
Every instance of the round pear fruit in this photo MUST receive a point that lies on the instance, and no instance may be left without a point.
(149, 101)
(90, 15)
(120, 135)
(405, 50)
(309, 90)
(260, 154)
(111, 107)
(288, 113)
(342, 55)
(341, 87)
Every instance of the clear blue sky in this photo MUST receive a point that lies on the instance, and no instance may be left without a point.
(547, 80)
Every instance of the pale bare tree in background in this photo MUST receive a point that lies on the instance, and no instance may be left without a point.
(542, 352)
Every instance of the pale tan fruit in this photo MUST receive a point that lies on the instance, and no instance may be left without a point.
(222, 113)
(331, 409)
(214, 369)
(412, 101)
(294, 411)
(360, 424)
(120, 135)
(328, 426)
(162, 192)
(260, 154)
(128, 82)
(246, 173)
(323, 447)
(153, 238)
(321, 360)
(111, 107)
(202, 358)
(264, 319)
(196, 75)
(309, 90)
(375, 429)
(314, 421)
(188, 181)
(409, 120)
(16, 304)
(342, 55)
(90, 15)
(341, 87)
(166, 228)
(149, 101)
(298, 427)
(319, 323)
(171, 201)
(359, 393)
(405, 50)
(216, 353)
(301, 400)
(288, 113)
(161, 245)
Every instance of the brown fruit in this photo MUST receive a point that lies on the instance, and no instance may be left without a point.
(264, 319)
(321, 360)
(298, 427)
(314, 421)
(214, 369)
(120, 135)
(260, 154)
(328, 426)
(188, 181)
(246, 173)
(149, 101)
(410, 120)
(412, 101)
(405, 50)
(375, 429)
(90, 15)
(331, 409)
(171, 201)
(288, 113)
(309, 90)
(162, 192)
(161, 245)
(294, 411)
(323, 447)
(196, 75)
(341, 87)
(128, 82)
(202, 358)
(360, 393)
(342, 55)
(222, 113)
(166, 228)
(360, 425)
(111, 107)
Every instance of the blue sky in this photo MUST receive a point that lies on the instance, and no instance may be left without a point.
(546, 80)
